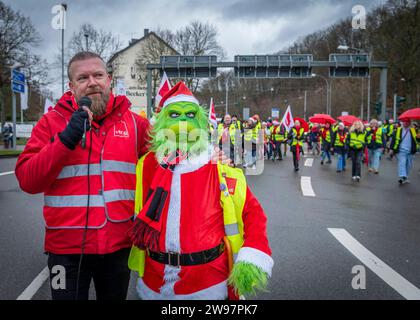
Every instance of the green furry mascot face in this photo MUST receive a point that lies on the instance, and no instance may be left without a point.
(180, 126)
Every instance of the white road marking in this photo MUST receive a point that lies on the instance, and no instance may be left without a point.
(305, 184)
(382, 270)
(6, 173)
(309, 162)
(35, 285)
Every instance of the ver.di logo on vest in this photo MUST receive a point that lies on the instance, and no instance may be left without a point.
(120, 130)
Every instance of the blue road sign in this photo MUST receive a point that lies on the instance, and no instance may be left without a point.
(18, 87)
(18, 76)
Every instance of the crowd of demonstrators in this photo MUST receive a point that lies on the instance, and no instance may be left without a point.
(361, 142)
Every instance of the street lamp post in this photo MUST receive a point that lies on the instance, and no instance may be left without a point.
(87, 43)
(62, 50)
(328, 90)
(227, 96)
(358, 50)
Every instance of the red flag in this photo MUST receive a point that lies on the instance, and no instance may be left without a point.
(288, 119)
(164, 87)
(212, 114)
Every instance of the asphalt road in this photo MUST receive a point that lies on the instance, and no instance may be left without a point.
(310, 263)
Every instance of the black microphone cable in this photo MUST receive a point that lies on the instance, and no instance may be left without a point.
(87, 216)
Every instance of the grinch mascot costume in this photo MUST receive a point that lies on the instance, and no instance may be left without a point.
(199, 232)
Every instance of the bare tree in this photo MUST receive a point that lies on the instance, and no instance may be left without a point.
(17, 37)
(87, 38)
(151, 51)
(195, 39)
(99, 41)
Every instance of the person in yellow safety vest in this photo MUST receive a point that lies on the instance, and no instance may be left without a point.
(405, 143)
(389, 132)
(334, 129)
(296, 138)
(277, 138)
(375, 139)
(356, 141)
(325, 136)
(339, 142)
(239, 140)
(199, 233)
(226, 136)
(250, 143)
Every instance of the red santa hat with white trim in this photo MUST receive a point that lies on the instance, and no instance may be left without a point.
(178, 93)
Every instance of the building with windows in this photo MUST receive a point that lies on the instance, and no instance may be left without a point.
(128, 68)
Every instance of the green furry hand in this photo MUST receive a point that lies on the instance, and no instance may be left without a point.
(246, 278)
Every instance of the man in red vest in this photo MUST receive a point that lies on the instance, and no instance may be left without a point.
(83, 160)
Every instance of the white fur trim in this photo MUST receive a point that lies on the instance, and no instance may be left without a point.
(216, 292)
(180, 98)
(256, 257)
(172, 238)
(194, 163)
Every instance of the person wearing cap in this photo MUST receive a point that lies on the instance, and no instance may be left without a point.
(199, 232)
(375, 139)
(405, 145)
(296, 138)
(339, 142)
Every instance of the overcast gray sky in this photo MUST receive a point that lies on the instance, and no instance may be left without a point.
(245, 26)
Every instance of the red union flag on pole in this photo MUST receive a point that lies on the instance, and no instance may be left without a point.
(164, 87)
(212, 114)
(288, 119)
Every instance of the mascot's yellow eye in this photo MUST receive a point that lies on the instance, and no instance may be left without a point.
(191, 115)
(174, 115)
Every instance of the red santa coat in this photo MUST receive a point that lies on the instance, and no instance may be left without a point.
(195, 223)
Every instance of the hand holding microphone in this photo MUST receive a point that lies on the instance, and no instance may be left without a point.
(78, 125)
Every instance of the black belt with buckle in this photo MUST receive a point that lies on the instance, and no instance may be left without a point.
(187, 259)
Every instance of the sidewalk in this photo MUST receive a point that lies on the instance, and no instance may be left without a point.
(18, 147)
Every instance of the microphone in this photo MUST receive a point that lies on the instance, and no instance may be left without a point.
(84, 102)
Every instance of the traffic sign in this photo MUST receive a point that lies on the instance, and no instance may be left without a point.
(18, 87)
(18, 81)
(18, 76)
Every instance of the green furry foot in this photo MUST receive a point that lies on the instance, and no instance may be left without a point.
(246, 279)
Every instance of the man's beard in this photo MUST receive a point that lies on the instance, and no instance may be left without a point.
(99, 104)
